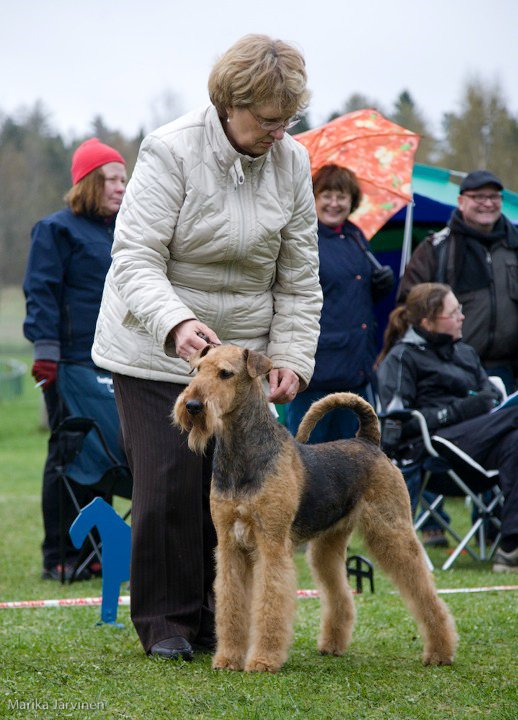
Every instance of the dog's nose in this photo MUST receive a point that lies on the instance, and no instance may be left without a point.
(194, 407)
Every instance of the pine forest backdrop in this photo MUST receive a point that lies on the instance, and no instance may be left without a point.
(35, 158)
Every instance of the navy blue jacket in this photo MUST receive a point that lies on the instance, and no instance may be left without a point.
(347, 344)
(68, 261)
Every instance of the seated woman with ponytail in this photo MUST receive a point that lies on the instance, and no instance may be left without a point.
(425, 363)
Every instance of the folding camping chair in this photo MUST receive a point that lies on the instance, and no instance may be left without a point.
(89, 445)
(446, 470)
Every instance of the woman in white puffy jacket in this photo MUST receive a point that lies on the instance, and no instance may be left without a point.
(216, 239)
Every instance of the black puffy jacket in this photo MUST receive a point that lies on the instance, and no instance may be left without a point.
(436, 375)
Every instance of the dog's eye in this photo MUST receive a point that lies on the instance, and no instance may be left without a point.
(226, 374)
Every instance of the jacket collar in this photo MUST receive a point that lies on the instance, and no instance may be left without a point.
(412, 338)
(441, 343)
(227, 157)
(328, 232)
(503, 230)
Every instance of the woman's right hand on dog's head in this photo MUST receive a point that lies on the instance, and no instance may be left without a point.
(190, 336)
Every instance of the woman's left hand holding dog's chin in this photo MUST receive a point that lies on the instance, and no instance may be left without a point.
(284, 385)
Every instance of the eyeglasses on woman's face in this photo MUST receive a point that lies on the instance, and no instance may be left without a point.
(455, 313)
(273, 125)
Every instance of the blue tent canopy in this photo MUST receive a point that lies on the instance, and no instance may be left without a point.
(435, 193)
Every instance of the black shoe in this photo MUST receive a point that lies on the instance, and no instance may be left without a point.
(54, 573)
(434, 538)
(173, 648)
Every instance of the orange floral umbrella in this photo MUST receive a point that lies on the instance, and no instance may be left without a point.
(378, 151)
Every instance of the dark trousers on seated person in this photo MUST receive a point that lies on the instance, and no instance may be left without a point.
(413, 479)
(492, 440)
(173, 538)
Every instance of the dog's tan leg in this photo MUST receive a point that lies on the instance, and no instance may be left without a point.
(326, 556)
(232, 590)
(389, 533)
(273, 606)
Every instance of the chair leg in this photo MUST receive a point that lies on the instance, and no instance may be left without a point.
(96, 548)
(464, 544)
(62, 529)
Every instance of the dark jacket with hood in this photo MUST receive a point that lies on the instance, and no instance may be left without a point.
(442, 378)
(68, 261)
(482, 270)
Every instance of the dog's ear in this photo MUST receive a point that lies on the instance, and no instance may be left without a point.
(257, 364)
(195, 358)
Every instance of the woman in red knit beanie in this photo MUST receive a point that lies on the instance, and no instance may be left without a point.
(69, 257)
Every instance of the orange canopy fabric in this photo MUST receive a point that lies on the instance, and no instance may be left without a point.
(380, 153)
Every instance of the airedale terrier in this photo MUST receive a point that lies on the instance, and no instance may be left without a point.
(271, 492)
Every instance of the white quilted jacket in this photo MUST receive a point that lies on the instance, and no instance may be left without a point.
(205, 232)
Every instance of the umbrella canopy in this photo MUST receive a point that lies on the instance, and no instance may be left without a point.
(378, 151)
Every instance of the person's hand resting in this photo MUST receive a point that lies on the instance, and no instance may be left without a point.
(45, 372)
(475, 405)
(190, 336)
(284, 385)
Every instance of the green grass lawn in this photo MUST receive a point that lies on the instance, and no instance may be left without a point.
(57, 663)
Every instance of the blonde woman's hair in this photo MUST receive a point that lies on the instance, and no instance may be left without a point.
(258, 70)
(86, 197)
(425, 300)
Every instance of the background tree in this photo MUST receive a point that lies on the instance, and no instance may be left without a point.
(302, 126)
(356, 101)
(35, 160)
(34, 175)
(408, 115)
(164, 108)
(483, 134)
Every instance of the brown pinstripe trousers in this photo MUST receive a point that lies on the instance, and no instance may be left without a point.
(173, 538)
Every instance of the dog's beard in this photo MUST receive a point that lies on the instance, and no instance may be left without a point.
(201, 427)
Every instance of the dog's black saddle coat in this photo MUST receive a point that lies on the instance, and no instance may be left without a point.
(334, 482)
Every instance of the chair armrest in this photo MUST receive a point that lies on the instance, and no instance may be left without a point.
(401, 415)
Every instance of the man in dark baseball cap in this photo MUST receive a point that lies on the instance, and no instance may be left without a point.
(479, 179)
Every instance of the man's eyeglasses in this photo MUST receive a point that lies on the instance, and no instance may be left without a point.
(481, 198)
(453, 314)
(273, 125)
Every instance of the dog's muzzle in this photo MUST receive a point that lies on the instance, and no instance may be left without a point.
(194, 407)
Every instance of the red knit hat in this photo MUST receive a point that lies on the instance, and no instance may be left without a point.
(90, 155)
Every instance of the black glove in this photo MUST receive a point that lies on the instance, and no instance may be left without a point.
(475, 405)
(382, 282)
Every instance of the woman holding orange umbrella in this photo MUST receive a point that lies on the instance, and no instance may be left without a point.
(352, 281)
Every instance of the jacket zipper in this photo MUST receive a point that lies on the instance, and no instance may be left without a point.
(492, 296)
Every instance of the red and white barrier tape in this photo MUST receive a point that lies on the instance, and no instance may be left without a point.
(124, 599)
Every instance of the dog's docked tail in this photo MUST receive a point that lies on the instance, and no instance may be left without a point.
(369, 425)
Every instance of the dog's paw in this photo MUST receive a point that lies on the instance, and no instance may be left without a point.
(436, 657)
(262, 664)
(222, 662)
(337, 652)
(332, 646)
